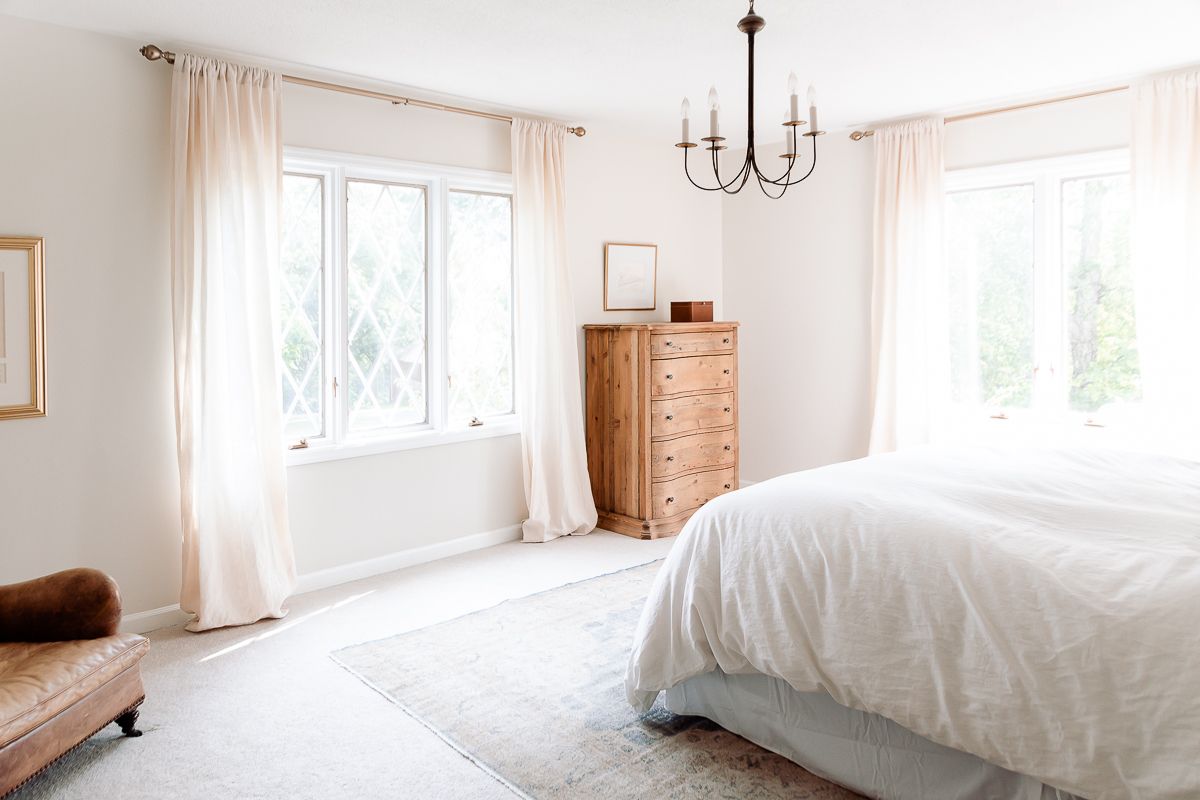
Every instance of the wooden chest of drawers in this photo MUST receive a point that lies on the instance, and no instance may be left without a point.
(662, 434)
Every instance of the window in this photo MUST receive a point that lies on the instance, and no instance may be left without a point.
(1040, 288)
(396, 305)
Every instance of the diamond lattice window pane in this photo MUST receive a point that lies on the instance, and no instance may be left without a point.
(301, 290)
(385, 304)
(480, 280)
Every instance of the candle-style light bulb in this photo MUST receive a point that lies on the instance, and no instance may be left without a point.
(812, 95)
(713, 107)
(812, 111)
(794, 99)
(685, 108)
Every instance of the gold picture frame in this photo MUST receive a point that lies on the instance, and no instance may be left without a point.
(630, 276)
(22, 327)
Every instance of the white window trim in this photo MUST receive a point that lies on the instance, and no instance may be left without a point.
(1051, 344)
(336, 442)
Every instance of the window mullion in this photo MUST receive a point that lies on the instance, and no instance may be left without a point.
(341, 342)
(1055, 319)
(437, 317)
(1044, 324)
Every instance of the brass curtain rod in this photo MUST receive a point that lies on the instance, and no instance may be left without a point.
(860, 135)
(153, 52)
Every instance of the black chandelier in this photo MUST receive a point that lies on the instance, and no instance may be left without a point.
(750, 25)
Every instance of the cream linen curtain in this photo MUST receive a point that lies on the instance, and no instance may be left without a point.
(909, 348)
(227, 173)
(1165, 162)
(557, 489)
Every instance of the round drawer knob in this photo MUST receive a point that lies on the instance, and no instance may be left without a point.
(670, 458)
(672, 416)
(723, 341)
(726, 411)
(724, 370)
(670, 499)
(729, 486)
(728, 447)
(671, 377)
(668, 343)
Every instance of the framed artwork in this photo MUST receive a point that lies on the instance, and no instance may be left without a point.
(630, 275)
(22, 328)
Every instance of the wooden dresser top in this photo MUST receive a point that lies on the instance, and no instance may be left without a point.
(666, 326)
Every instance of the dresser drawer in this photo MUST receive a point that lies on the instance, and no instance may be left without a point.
(677, 495)
(698, 451)
(692, 374)
(686, 414)
(662, 344)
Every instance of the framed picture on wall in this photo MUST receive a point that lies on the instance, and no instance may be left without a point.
(22, 328)
(630, 275)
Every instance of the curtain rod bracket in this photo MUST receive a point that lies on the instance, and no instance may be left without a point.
(152, 52)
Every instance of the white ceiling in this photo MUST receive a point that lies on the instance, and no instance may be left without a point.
(620, 62)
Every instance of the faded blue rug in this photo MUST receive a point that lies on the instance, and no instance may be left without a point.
(532, 692)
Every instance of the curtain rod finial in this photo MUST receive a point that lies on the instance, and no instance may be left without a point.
(578, 130)
(153, 52)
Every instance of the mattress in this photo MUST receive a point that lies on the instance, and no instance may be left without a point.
(859, 750)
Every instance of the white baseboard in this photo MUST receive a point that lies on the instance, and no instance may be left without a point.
(155, 618)
(145, 621)
(335, 576)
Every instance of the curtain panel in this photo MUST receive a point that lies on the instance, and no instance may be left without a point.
(1165, 166)
(549, 398)
(909, 339)
(227, 174)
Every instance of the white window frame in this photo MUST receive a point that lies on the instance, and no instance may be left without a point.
(438, 181)
(1051, 385)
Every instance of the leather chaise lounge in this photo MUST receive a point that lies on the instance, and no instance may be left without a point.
(65, 671)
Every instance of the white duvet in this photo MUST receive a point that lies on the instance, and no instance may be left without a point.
(1038, 609)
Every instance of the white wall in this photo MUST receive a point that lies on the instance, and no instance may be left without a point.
(797, 275)
(798, 278)
(629, 189)
(83, 160)
(1078, 126)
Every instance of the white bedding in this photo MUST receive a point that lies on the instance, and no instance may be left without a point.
(1038, 609)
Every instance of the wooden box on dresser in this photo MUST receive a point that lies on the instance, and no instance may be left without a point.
(662, 430)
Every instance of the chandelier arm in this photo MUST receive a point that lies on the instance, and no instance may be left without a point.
(811, 167)
(762, 184)
(782, 180)
(743, 173)
(719, 187)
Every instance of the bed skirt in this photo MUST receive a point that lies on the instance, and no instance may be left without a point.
(862, 751)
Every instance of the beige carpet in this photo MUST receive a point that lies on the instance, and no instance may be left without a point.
(262, 711)
(532, 692)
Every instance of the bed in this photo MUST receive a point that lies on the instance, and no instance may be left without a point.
(969, 622)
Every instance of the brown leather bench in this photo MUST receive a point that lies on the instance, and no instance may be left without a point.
(65, 672)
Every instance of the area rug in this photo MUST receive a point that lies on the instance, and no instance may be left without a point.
(532, 692)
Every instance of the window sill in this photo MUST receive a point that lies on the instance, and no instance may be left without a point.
(412, 440)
